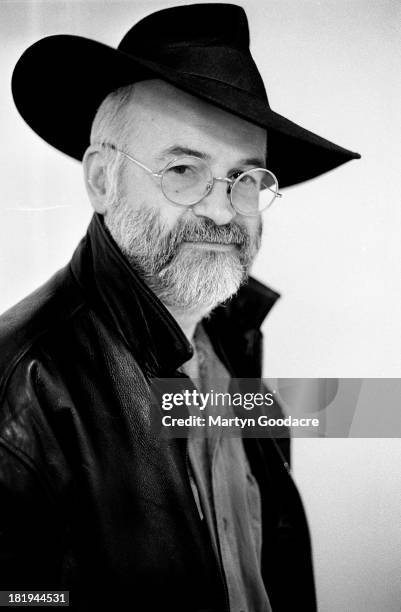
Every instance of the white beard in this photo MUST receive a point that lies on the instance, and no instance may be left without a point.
(183, 278)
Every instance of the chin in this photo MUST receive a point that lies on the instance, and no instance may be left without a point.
(201, 281)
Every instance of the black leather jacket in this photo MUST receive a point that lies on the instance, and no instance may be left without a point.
(91, 500)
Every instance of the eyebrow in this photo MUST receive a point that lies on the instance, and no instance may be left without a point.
(178, 150)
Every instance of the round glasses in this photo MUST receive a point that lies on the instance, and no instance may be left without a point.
(186, 180)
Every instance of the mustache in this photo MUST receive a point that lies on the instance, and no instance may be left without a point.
(208, 231)
(151, 246)
(205, 230)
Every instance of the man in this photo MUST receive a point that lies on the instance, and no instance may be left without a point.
(172, 129)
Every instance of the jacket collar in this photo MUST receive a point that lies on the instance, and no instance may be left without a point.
(117, 293)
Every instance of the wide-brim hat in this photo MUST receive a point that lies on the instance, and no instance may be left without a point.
(203, 49)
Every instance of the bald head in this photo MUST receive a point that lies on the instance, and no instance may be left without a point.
(157, 109)
(151, 108)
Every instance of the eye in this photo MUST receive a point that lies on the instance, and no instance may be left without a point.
(248, 181)
(182, 169)
(181, 176)
(234, 175)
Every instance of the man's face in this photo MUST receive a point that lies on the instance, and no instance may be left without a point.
(192, 257)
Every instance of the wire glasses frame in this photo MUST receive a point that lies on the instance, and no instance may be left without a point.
(178, 184)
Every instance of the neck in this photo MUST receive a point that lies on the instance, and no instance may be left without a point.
(188, 319)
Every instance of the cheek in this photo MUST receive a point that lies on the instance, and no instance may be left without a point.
(136, 194)
(253, 225)
(143, 197)
(171, 215)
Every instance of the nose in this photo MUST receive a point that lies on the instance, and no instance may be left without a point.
(216, 204)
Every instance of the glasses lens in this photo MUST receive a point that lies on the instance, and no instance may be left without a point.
(253, 191)
(186, 180)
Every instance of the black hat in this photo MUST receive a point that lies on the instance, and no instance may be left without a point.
(203, 49)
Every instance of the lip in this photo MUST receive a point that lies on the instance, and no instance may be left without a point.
(217, 246)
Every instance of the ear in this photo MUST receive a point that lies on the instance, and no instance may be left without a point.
(95, 173)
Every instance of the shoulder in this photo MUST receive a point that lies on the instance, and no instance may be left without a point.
(36, 316)
(30, 389)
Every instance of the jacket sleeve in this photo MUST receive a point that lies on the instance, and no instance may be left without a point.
(29, 534)
(31, 528)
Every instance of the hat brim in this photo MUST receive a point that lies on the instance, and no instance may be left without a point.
(60, 81)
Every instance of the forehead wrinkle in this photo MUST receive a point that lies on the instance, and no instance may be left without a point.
(177, 150)
(182, 150)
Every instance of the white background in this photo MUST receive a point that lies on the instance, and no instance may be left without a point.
(331, 246)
